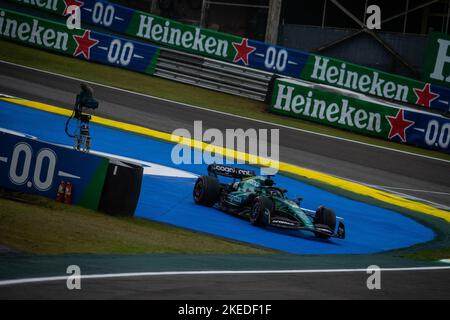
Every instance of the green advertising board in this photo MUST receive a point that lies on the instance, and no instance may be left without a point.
(300, 100)
(362, 115)
(437, 61)
(362, 79)
(39, 33)
(79, 43)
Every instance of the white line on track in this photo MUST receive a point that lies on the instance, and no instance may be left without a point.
(227, 114)
(409, 196)
(6, 96)
(415, 190)
(393, 190)
(219, 272)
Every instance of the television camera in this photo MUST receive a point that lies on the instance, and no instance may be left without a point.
(82, 137)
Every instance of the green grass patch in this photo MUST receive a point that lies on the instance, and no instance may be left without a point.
(166, 89)
(430, 255)
(37, 225)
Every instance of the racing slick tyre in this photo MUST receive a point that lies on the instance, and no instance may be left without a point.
(206, 191)
(259, 207)
(325, 217)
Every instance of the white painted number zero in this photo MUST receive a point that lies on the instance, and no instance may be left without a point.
(19, 149)
(21, 177)
(119, 53)
(102, 15)
(276, 60)
(48, 181)
(436, 135)
(444, 139)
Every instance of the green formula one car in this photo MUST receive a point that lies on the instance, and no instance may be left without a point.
(259, 200)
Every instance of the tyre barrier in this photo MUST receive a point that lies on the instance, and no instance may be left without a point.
(121, 189)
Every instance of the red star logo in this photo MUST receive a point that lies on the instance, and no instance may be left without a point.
(243, 50)
(399, 125)
(84, 44)
(425, 96)
(69, 3)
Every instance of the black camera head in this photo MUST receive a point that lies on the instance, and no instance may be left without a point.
(85, 98)
(87, 89)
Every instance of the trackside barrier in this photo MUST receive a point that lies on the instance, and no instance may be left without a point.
(31, 166)
(122, 188)
(78, 43)
(253, 54)
(387, 121)
(132, 55)
(437, 66)
(212, 74)
(368, 117)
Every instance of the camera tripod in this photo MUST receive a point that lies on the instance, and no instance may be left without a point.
(82, 137)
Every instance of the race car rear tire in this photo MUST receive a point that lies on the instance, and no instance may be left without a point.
(259, 207)
(206, 191)
(325, 217)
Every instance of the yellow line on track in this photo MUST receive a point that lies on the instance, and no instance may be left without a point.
(353, 187)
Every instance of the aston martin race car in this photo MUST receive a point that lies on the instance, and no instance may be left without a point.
(264, 204)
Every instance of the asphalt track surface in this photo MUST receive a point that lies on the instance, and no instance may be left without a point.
(422, 177)
(342, 158)
(348, 285)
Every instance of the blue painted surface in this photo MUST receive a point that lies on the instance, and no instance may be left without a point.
(369, 229)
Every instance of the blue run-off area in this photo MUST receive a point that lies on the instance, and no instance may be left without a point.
(169, 199)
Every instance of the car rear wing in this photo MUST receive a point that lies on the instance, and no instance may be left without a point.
(230, 172)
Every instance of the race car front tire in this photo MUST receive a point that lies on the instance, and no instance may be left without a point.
(259, 207)
(325, 217)
(206, 191)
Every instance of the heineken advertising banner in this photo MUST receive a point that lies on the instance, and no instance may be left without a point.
(299, 100)
(79, 43)
(437, 63)
(251, 53)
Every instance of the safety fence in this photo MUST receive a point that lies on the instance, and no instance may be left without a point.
(253, 54)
